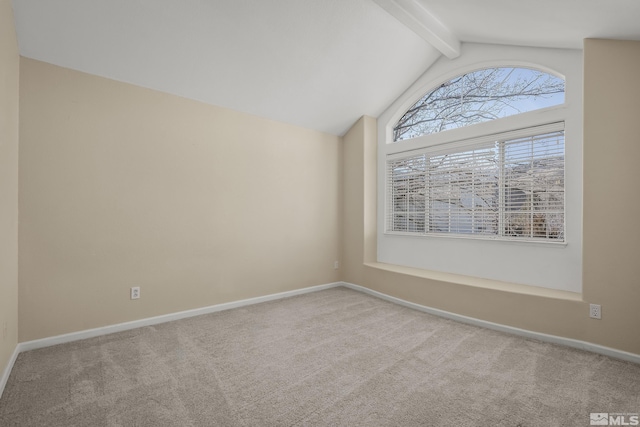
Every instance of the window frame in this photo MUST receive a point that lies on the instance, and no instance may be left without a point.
(457, 146)
(450, 139)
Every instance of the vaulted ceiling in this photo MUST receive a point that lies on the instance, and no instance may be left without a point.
(320, 64)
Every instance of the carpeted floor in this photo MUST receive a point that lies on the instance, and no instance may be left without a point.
(330, 358)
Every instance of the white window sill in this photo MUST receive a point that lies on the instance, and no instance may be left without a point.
(535, 242)
(477, 282)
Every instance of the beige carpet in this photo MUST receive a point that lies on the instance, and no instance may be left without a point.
(331, 358)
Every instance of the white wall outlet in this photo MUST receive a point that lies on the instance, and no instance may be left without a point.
(336, 265)
(135, 292)
(595, 311)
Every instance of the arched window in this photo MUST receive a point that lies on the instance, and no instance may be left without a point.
(477, 97)
(503, 182)
(479, 168)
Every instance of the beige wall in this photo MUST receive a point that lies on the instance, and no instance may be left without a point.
(122, 186)
(9, 63)
(611, 179)
(359, 199)
(611, 242)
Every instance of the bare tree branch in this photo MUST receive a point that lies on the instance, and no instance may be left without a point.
(475, 97)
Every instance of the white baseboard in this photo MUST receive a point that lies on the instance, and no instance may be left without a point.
(91, 333)
(7, 370)
(569, 342)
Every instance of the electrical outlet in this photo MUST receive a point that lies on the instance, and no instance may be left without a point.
(135, 292)
(595, 311)
(336, 265)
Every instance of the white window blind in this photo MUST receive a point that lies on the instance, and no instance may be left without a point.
(508, 186)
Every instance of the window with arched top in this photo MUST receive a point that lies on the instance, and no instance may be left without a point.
(479, 169)
(503, 181)
(480, 96)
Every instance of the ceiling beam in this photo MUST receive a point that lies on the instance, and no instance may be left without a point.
(419, 20)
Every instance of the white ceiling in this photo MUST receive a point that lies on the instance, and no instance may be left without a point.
(541, 23)
(320, 64)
